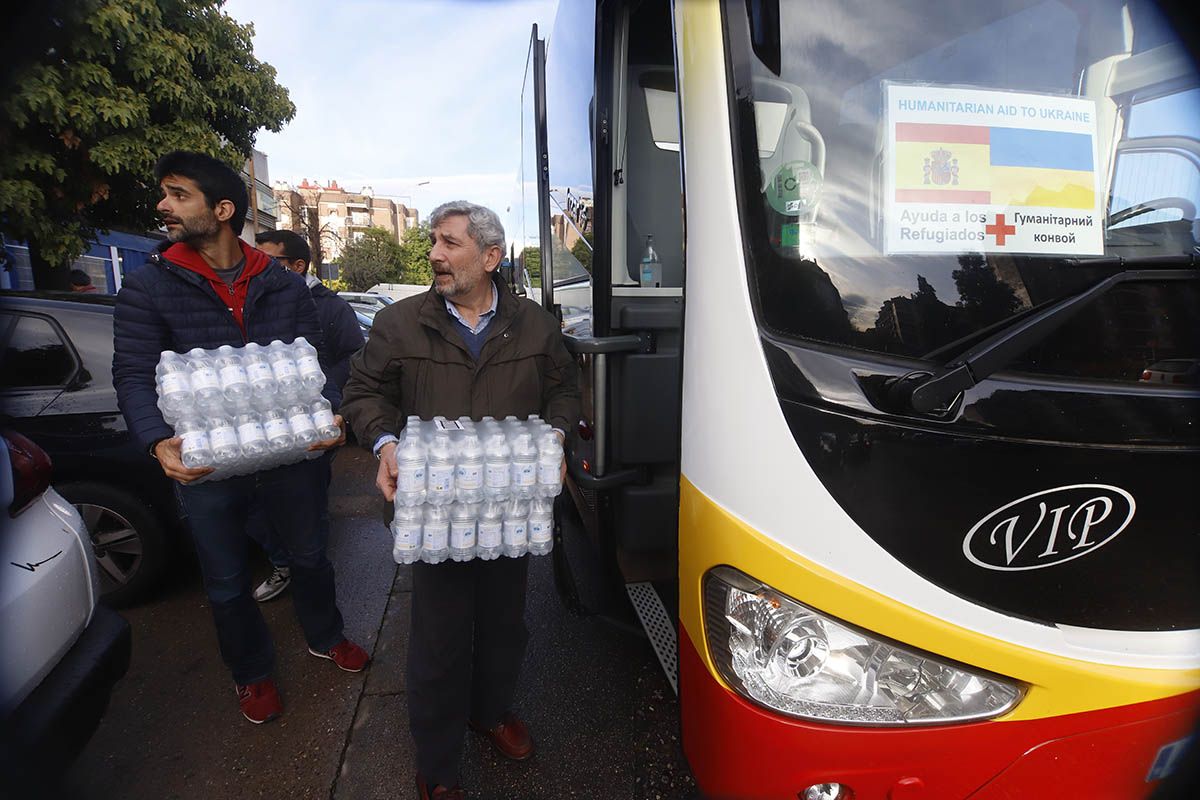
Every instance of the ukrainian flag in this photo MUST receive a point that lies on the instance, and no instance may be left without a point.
(974, 164)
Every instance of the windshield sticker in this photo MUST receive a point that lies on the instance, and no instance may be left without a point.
(793, 189)
(990, 171)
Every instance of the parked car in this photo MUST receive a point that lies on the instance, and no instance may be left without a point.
(56, 388)
(368, 299)
(366, 318)
(1177, 371)
(60, 652)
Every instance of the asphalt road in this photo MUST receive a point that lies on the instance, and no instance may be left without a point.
(602, 714)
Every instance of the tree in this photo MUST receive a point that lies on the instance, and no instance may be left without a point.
(415, 246)
(94, 91)
(983, 298)
(373, 258)
(307, 222)
(582, 250)
(531, 260)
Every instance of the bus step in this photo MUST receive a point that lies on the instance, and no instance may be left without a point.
(659, 627)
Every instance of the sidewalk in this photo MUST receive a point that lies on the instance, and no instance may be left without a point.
(603, 716)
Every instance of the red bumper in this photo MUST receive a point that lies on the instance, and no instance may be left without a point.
(739, 750)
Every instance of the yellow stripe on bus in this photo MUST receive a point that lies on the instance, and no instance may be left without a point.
(710, 536)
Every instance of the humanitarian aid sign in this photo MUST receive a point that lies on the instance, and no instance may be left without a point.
(991, 171)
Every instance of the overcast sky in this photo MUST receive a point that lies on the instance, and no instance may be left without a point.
(393, 93)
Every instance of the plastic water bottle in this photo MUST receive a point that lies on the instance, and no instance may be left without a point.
(549, 465)
(235, 384)
(301, 423)
(206, 384)
(497, 471)
(468, 476)
(322, 414)
(174, 384)
(278, 430)
(312, 379)
(524, 467)
(263, 385)
(440, 471)
(511, 426)
(541, 526)
(516, 528)
(195, 450)
(436, 546)
(284, 369)
(251, 436)
(650, 272)
(462, 531)
(223, 438)
(406, 534)
(489, 536)
(410, 468)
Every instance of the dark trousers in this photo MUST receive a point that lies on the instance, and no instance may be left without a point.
(217, 514)
(464, 654)
(262, 528)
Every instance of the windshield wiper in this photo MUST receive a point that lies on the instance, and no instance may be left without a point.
(930, 392)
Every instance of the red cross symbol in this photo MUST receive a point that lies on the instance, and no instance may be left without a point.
(1000, 230)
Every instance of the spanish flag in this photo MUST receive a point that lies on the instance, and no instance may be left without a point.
(998, 166)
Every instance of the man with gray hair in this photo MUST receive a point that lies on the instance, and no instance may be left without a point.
(467, 347)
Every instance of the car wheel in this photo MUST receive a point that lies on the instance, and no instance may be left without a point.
(128, 540)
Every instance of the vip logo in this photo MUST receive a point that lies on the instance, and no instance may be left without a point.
(1050, 527)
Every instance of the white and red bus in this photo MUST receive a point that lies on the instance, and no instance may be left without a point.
(875, 441)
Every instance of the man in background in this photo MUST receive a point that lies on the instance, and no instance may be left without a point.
(343, 338)
(81, 282)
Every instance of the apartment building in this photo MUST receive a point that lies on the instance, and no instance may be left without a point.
(339, 216)
(262, 213)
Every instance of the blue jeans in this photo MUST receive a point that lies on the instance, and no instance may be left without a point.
(262, 529)
(294, 498)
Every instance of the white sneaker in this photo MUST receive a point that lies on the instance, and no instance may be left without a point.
(273, 586)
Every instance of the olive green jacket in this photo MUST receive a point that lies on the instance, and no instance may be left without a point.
(415, 362)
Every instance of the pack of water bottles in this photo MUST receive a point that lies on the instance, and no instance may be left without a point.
(469, 489)
(245, 409)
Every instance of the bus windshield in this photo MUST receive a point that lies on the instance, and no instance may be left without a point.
(916, 171)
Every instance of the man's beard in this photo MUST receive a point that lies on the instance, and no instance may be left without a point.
(194, 229)
(459, 285)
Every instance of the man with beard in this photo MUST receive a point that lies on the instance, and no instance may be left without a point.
(206, 290)
(467, 347)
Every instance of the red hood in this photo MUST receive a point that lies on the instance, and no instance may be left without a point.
(186, 256)
(233, 296)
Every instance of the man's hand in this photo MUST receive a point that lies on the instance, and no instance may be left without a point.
(169, 456)
(385, 478)
(329, 444)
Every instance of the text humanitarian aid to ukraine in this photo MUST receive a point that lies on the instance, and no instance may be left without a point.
(901, 426)
(245, 409)
(467, 489)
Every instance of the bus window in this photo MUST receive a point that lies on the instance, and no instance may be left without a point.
(941, 178)
(570, 86)
(647, 154)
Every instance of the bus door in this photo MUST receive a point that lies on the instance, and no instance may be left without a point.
(613, 192)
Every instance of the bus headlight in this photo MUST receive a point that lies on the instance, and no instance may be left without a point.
(793, 659)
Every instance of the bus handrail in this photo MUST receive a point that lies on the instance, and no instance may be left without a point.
(599, 345)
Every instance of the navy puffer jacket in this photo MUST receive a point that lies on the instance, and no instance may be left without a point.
(166, 306)
(343, 336)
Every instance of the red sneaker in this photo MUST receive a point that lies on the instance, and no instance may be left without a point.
(347, 655)
(260, 701)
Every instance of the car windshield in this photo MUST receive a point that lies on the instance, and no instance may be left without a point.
(916, 171)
